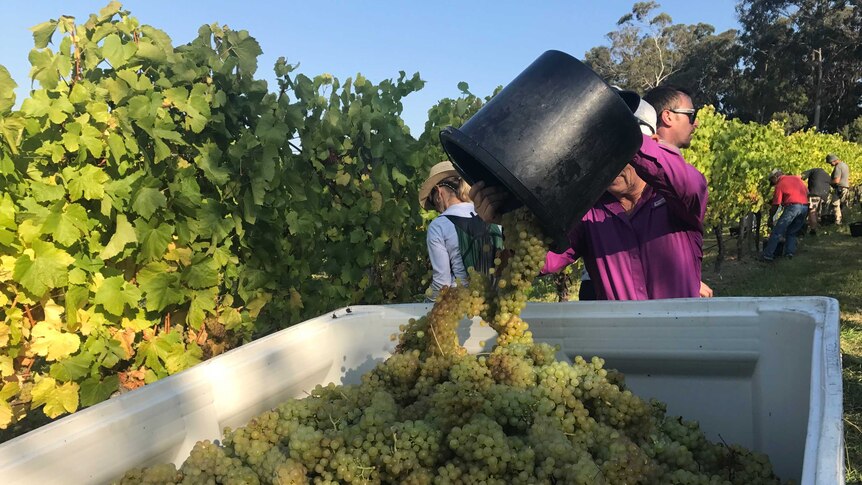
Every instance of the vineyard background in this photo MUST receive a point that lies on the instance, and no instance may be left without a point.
(161, 205)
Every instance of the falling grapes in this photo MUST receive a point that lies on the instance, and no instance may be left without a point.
(434, 414)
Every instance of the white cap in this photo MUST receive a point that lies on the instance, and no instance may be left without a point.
(646, 118)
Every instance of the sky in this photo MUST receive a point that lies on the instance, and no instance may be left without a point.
(483, 43)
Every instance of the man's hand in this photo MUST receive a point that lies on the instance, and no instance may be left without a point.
(488, 200)
(705, 291)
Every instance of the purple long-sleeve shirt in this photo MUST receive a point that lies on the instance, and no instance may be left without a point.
(654, 252)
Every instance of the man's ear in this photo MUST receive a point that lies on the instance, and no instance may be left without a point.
(664, 117)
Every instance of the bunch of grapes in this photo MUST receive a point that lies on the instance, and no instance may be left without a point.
(433, 414)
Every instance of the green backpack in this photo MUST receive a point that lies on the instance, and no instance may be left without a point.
(478, 242)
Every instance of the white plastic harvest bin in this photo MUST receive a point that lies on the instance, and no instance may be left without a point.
(765, 373)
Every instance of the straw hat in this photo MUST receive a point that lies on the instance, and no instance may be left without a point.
(439, 172)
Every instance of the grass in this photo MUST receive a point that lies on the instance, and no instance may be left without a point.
(829, 264)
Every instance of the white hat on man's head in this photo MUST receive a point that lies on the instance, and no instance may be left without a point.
(643, 111)
(647, 118)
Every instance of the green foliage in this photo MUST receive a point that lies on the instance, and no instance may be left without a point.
(160, 205)
(736, 157)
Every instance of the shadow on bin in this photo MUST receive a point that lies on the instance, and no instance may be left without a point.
(555, 137)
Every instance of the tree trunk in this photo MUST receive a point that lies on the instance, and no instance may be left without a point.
(716, 229)
(758, 220)
(740, 238)
(818, 57)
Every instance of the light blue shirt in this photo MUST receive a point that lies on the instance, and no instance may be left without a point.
(443, 251)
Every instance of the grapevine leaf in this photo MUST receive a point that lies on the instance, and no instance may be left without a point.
(73, 368)
(153, 240)
(7, 91)
(182, 358)
(79, 94)
(342, 178)
(6, 367)
(42, 33)
(148, 200)
(112, 50)
(159, 38)
(399, 177)
(94, 391)
(109, 10)
(162, 150)
(9, 389)
(60, 110)
(114, 293)
(230, 318)
(150, 52)
(4, 340)
(45, 269)
(88, 182)
(90, 138)
(207, 161)
(41, 389)
(117, 89)
(66, 225)
(117, 147)
(124, 234)
(203, 273)
(53, 344)
(203, 302)
(57, 399)
(246, 50)
(214, 224)
(7, 212)
(5, 414)
(160, 286)
(46, 67)
(45, 192)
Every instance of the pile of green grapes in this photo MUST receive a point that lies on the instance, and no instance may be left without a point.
(433, 414)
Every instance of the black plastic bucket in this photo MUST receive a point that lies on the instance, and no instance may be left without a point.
(555, 137)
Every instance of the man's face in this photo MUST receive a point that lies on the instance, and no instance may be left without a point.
(679, 129)
(625, 183)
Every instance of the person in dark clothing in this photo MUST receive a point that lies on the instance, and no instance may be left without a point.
(819, 184)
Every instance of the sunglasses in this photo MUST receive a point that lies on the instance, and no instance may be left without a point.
(436, 189)
(690, 112)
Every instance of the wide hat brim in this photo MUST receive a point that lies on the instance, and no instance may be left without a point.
(439, 172)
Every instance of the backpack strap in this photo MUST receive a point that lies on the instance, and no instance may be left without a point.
(478, 241)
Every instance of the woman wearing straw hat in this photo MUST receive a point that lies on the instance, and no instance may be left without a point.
(446, 192)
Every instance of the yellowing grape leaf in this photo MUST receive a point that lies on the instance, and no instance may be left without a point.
(53, 313)
(342, 178)
(376, 201)
(5, 415)
(137, 324)
(57, 399)
(6, 367)
(181, 359)
(8, 390)
(123, 234)
(53, 344)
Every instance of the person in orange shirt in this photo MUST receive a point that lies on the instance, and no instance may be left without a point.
(791, 194)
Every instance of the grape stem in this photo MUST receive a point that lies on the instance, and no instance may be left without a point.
(437, 341)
